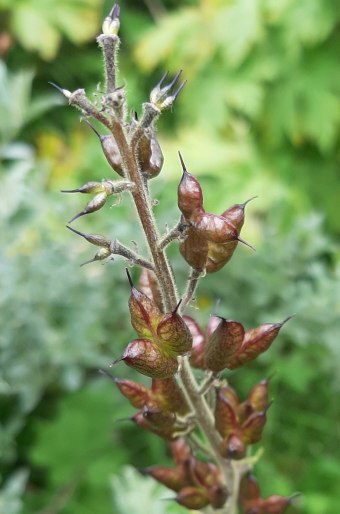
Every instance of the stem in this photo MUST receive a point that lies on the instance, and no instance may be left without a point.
(163, 271)
(191, 287)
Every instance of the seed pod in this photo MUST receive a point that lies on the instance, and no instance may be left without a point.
(214, 228)
(149, 286)
(258, 396)
(137, 394)
(218, 495)
(192, 498)
(229, 394)
(194, 249)
(233, 447)
(146, 358)
(256, 341)
(110, 150)
(159, 419)
(180, 450)
(198, 340)
(226, 421)
(145, 314)
(235, 214)
(169, 396)
(190, 197)
(173, 334)
(171, 478)
(222, 344)
(205, 474)
(150, 156)
(275, 504)
(253, 427)
(166, 433)
(219, 254)
(249, 493)
(92, 206)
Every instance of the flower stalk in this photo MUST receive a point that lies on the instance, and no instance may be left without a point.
(205, 412)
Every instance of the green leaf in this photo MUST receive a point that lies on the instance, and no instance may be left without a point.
(35, 32)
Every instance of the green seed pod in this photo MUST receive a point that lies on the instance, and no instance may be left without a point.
(146, 358)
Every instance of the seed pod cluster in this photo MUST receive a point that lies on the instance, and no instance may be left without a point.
(161, 337)
(149, 153)
(226, 345)
(211, 239)
(197, 483)
(250, 501)
(240, 424)
(159, 406)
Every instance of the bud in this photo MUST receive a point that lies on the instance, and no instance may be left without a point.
(222, 344)
(192, 498)
(146, 358)
(197, 350)
(92, 206)
(174, 336)
(111, 23)
(169, 396)
(137, 394)
(145, 314)
(256, 341)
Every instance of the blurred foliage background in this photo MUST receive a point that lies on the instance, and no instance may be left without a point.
(260, 115)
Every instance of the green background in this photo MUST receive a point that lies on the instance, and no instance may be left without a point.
(260, 115)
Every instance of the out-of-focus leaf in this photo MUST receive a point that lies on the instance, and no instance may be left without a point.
(39, 25)
(11, 492)
(130, 486)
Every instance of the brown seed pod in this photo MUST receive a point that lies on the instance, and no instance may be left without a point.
(222, 344)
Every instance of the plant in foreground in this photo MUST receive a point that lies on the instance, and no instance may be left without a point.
(209, 429)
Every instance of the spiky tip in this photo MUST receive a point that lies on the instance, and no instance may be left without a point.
(129, 278)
